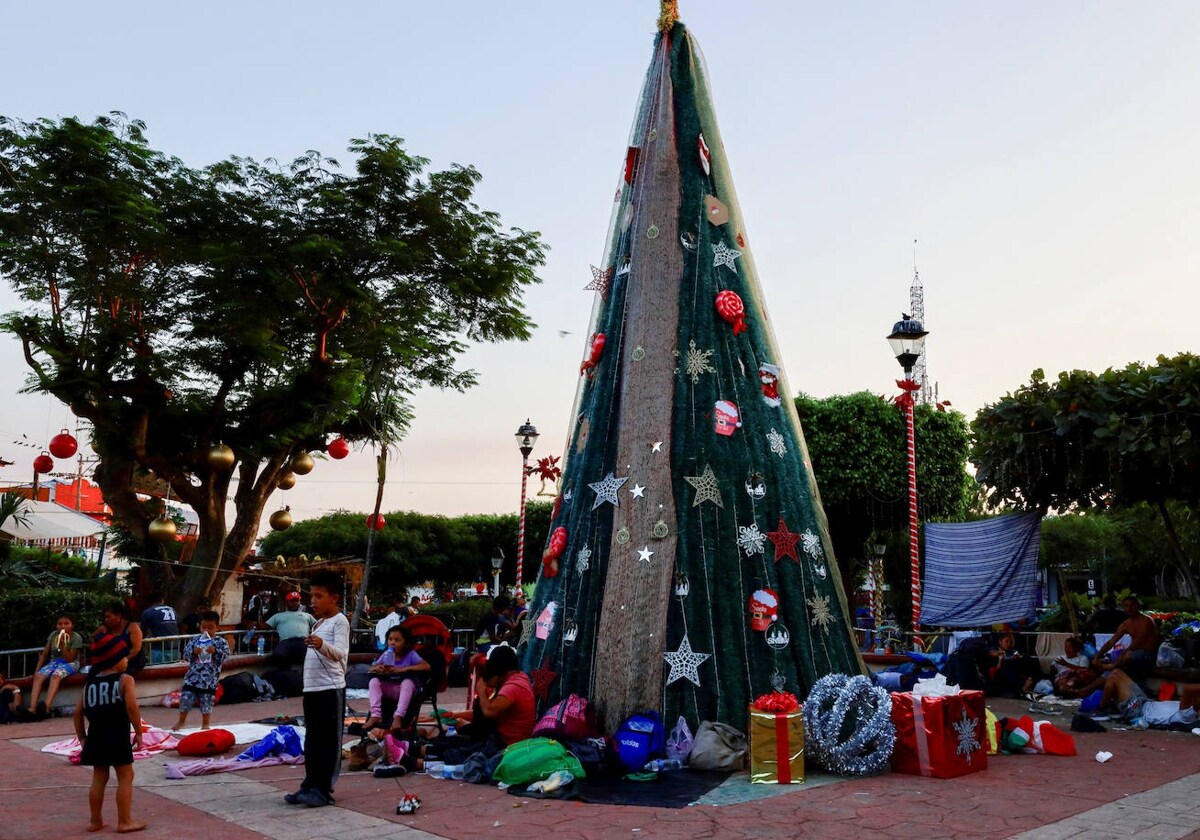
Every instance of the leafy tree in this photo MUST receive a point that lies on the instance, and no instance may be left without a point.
(858, 450)
(255, 304)
(1088, 440)
(415, 547)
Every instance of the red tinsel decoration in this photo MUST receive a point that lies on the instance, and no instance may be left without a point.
(554, 550)
(777, 702)
(597, 351)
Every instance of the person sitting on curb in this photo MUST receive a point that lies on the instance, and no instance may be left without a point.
(1137, 661)
(59, 659)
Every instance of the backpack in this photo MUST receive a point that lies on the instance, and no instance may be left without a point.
(239, 687)
(285, 682)
(568, 720)
(640, 738)
(718, 746)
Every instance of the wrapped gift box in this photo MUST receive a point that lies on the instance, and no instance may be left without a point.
(776, 747)
(942, 736)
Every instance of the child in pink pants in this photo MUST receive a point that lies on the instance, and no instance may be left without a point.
(396, 676)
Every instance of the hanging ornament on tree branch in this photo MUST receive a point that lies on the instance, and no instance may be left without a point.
(63, 445)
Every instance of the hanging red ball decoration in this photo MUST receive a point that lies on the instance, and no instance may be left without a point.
(730, 308)
(598, 341)
(43, 463)
(554, 549)
(63, 445)
(376, 522)
(338, 448)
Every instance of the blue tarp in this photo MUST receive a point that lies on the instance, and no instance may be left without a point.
(983, 572)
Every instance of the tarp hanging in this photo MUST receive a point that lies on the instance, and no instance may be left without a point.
(981, 572)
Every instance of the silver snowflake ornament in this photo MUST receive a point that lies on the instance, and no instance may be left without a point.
(967, 742)
(582, 560)
(724, 255)
(811, 543)
(685, 662)
(751, 540)
(818, 611)
(606, 490)
(777, 443)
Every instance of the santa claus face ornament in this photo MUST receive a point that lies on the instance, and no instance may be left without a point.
(726, 418)
(764, 609)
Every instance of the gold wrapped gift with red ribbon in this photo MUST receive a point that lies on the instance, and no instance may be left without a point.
(776, 733)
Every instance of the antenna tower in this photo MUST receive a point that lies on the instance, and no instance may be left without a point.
(916, 302)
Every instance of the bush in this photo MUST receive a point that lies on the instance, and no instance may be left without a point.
(27, 615)
(466, 612)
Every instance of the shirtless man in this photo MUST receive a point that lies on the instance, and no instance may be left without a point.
(1138, 659)
(1135, 707)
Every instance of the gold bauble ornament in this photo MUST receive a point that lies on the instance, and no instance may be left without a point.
(220, 457)
(281, 519)
(162, 529)
(287, 481)
(302, 463)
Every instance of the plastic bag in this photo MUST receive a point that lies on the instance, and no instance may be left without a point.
(680, 741)
(1169, 657)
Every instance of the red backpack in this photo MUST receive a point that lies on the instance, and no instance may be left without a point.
(571, 719)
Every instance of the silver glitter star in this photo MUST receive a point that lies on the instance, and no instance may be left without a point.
(644, 554)
(724, 255)
(707, 489)
(685, 662)
(606, 490)
(638, 491)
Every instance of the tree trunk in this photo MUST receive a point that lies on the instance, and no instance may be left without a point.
(360, 603)
(1181, 559)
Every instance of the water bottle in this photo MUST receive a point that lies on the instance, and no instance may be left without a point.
(452, 771)
(660, 764)
(262, 645)
(451, 731)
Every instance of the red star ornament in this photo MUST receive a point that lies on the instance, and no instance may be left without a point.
(541, 679)
(784, 541)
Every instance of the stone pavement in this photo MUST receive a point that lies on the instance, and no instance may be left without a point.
(1150, 789)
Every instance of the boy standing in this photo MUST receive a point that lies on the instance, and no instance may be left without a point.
(109, 704)
(324, 693)
(204, 656)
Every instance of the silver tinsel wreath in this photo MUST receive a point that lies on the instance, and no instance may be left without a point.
(848, 725)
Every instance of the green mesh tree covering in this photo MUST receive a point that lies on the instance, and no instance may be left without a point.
(689, 566)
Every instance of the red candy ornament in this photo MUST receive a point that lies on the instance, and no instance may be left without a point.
(338, 448)
(730, 308)
(554, 550)
(43, 463)
(63, 445)
(598, 341)
(376, 522)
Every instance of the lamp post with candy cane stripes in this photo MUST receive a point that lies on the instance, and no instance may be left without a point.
(908, 340)
(526, 436)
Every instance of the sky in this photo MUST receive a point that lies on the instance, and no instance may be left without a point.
(1043, 155)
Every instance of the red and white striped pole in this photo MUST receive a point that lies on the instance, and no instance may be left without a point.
(521, 520)
(527, 436)
(914, 550)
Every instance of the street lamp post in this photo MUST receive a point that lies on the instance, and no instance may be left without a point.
(526, 436)
(907, 341)
(497, 565)
(877, 579)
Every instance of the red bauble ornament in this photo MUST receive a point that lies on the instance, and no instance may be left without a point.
(43, 463)
(598, 341)
(730, 308)
(554, 549)
(338, 448)
(62, 445)
(376, 522)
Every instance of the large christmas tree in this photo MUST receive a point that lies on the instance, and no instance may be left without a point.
(689, 566)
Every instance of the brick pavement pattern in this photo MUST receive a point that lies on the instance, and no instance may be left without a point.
(1150, 789)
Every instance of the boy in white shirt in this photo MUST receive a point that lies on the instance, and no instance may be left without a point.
(324, 693)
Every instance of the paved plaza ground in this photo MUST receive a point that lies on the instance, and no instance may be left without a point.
(1151, 789)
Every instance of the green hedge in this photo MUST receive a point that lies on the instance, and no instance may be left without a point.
(467, 612)
(27, 615)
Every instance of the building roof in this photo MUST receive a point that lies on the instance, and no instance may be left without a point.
(50, 521)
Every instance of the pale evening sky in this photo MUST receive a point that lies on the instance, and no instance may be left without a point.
(1044, 154)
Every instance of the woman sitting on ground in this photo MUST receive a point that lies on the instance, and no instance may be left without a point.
(399, 675)
(506, 708)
